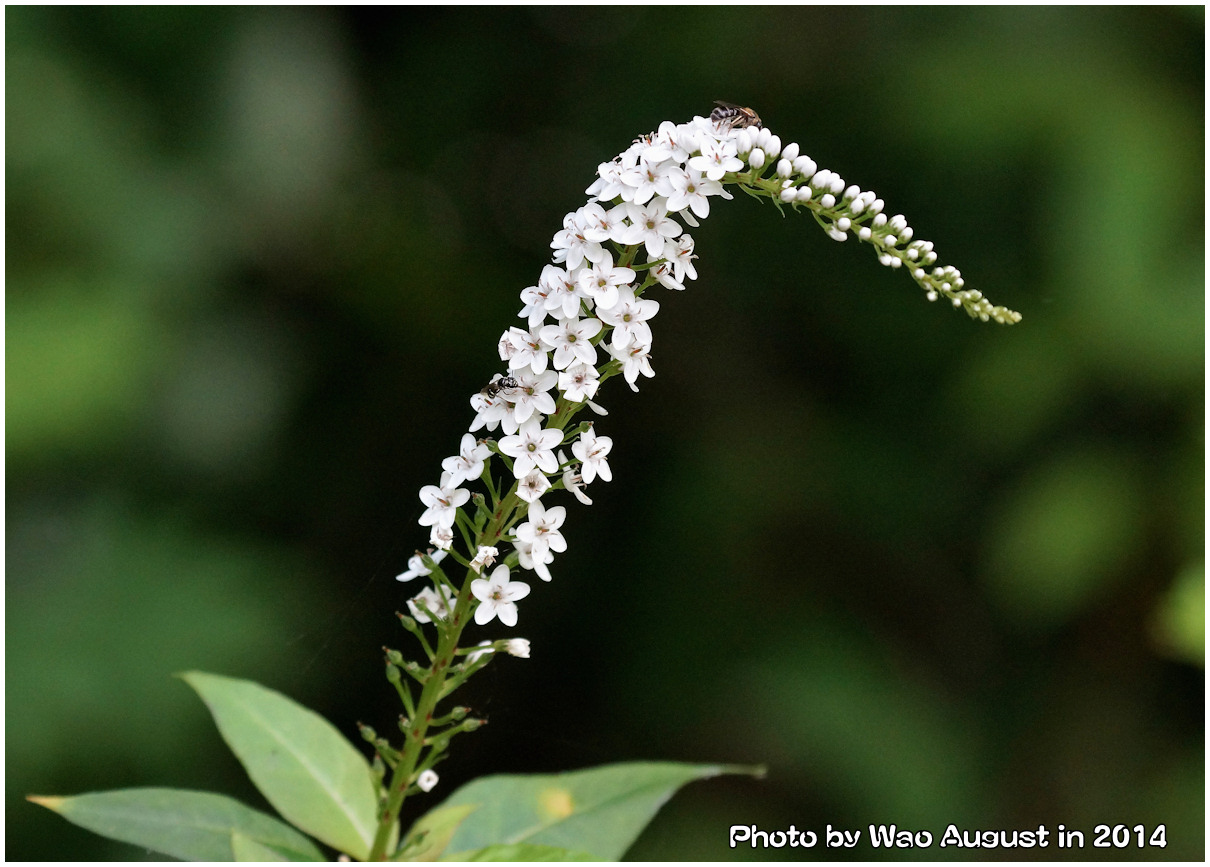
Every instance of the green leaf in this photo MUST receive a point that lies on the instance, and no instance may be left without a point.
(192, 826)
(247, 849)
(432, 832)
(600, 810)
(303, 766)
(523, 852)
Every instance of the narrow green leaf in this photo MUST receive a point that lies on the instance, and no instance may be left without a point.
(192, 826)
(303, 766)
(432, 832)
(247, 849)
(523, 852)
(600, 810)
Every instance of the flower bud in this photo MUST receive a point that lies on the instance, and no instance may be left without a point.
(804, 165)
(427, 780)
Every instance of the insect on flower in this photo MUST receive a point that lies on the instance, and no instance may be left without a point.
(499, 384)
(728, 116)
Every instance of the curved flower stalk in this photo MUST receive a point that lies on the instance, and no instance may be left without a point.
(587, 320)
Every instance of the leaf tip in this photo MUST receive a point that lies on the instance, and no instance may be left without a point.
(50, 802)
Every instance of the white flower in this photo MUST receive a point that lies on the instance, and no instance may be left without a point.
(532, 395)
(489, 411)
(573, 481)
(441, 537)
(486, 556)
(498, 597)
(648, 177)
(572, 247)
(579, 382)
(562, 299)
(608, 185)
(532, 446)
(592, 451)
(716, 159)
(538, 564)
(416, 567)
(601, 281)
(442, 502)
(436, 602)
(518, 647)
(650, 225)
(679, 254)
(535, 303)
(523, 349)
(534, 485)
(691, 190)
(629, 319)
(636, 359)
(602, 225)
(468, 463)
(681, 139)
(572, 341)
(427, 780)
(541, 531)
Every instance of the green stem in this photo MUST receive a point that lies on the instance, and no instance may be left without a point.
(434, 689)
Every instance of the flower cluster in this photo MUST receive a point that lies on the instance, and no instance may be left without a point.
(587, 319)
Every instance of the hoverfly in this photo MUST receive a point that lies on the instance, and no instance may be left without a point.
(728, 116)
(497, 385)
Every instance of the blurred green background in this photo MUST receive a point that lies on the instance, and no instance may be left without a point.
(927, 570)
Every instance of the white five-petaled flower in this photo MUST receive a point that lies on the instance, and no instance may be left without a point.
(679, 254)
(562, 299)
(541, 531)
(579, 382)
(572, 247)
(534, 485)
(532, 446)
(523, 350)
(650, 225)
(416, 567)
(592, 451)
(636, 359)
(538, 564)
(690, 190)
(530, 397)
(572, 341)
(629, 319)
(442, 502)
(498, 597)
(648, 177)
(468, 463)
(602, 281)
(716, 159)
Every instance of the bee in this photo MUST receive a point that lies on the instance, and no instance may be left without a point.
(499, 384)
(728, 116)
